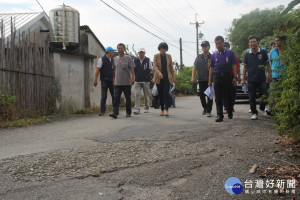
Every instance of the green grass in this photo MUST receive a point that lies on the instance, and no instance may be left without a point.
(24, 122)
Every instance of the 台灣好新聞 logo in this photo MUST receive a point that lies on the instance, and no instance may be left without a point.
(233, 185)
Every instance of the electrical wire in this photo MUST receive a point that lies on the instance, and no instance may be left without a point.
(191, 6)
(163, 17)
(143, 19)
(170, 20)
(171, 5)
(199, 16)
(40, 5)
(133, 22)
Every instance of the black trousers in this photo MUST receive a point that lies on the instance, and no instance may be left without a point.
(262, 90)
(163, 92)
(127, 92)
(233, 97)
(206, 102)
(105, 85)
(223, 89)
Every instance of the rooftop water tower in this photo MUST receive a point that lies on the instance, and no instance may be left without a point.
(65, 25)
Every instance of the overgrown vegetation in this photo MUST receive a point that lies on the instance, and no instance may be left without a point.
(7, 106)
(24, 122)
(10, 116)
(91, 110)
(265, 24)
(287, 94)
(183, 84)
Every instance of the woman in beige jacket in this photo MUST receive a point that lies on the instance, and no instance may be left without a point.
(163, 76)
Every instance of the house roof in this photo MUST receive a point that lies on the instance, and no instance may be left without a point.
(24, 21)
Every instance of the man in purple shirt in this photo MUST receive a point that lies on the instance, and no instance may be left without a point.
(222, 63)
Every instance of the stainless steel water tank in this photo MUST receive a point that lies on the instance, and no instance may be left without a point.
(65, 26)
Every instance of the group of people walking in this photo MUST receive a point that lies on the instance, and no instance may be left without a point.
(220, 70)
(119, 74)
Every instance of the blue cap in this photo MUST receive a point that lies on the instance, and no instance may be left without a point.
(109, 49)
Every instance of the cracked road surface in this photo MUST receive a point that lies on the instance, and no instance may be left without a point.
(186, 156)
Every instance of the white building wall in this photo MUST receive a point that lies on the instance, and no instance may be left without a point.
(69, 75)
(72, 81)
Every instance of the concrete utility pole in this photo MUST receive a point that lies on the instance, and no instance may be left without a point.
(181, 62)
(197, 35)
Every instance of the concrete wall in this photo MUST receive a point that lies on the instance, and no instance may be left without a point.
(70, 81)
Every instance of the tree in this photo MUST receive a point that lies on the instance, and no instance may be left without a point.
(132, 54)
(183, 82)
(254, 23)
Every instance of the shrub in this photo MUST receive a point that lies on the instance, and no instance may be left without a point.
(287, 93)
(183, 84)
(7, 106)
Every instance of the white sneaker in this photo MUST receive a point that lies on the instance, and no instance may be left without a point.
(254, 117)
(264, 113)
(267, 108)
(136, 112)
(146, 111)
(249, 111)
(208, 114)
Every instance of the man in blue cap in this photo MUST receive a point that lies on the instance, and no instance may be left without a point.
(105, 68)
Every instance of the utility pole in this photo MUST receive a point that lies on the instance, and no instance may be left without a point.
(181, 62)
(197, 35)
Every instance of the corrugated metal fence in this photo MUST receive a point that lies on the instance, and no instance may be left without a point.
(26, 71)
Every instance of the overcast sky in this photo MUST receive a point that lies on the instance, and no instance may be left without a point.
(168, 19)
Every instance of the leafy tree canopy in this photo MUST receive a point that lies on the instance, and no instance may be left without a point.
(260, 23)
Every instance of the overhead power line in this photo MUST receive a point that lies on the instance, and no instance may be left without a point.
(172, 5)
(169, 19)
(162, 16)
(143, 19)
(40, 5)
(191, 6)
(131, 21)
(199, 16)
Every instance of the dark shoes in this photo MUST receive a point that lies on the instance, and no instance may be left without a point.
(101, 114)
(219, 119)
(113, 115)
(230, 115)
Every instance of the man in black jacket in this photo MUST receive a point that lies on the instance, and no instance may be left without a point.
(105, 68)
(201, 65)
(142, 69)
